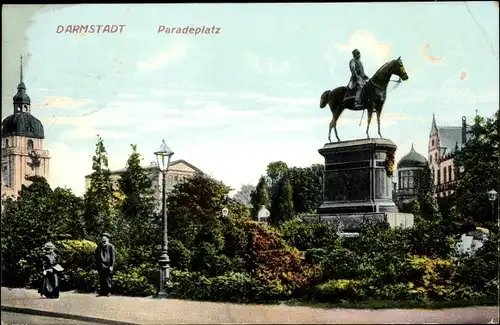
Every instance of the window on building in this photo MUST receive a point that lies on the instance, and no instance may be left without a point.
(406, 180)
(6, 143)
(430, 159)
(450, 173)
(432, 143)
(30, 145)
(444, 175)
(439, 176)
(436, 157)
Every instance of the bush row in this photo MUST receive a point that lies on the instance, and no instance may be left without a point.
(337, 275)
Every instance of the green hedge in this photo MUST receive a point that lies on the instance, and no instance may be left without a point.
(77, 259)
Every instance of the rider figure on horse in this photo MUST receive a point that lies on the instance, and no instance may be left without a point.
(358, 77)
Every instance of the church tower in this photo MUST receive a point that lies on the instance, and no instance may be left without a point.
(23, 154)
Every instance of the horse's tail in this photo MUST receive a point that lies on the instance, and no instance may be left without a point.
(324, 99)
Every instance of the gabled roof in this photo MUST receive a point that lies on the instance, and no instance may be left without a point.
(153, 167)
(175, 162)
(450, 137)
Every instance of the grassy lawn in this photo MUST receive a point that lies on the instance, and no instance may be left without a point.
(378, 304)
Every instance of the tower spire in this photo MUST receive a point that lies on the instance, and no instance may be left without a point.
(21, 80)
(21, 100)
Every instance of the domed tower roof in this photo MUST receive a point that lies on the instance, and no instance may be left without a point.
(22, 123)
(412, 160)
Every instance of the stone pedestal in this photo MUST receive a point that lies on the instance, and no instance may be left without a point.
(357, 184)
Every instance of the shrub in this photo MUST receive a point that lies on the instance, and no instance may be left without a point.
(479, 272)
(432, 278)
(233, 287)
(209, 261)
(341, 263)
(399, 292)
(271, 259)
(77, 258)
(340, 290)
(135, 281)
(307, 235)
(179, 255)
(187, 285)
(431, 238)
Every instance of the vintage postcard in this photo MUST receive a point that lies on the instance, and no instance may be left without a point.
(272, 158)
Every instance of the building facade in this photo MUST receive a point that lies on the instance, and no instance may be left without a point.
(23, 153)
(178, 171)
(444, 143)
(409, 171)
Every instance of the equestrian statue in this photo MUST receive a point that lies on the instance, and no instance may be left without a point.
(362, 92)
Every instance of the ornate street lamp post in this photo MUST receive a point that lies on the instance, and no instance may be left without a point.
(492, 196)
(163, 156)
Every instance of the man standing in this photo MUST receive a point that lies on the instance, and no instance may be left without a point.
(358, 77)
(105, 262)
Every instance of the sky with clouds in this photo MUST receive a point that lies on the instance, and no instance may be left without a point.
(232, 102)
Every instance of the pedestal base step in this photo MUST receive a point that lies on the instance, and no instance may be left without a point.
(353, 222)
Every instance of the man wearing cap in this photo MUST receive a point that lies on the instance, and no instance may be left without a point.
(105, 262)
(358, 77)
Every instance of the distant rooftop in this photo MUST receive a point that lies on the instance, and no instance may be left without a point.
(153, 166)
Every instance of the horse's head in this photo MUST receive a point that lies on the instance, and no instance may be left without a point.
(399, 69)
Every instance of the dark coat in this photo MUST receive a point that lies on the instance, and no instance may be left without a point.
(49, 286)
(358, 75)
(105, 256)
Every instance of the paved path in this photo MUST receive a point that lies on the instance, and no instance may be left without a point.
(9, 318)
(128, 310)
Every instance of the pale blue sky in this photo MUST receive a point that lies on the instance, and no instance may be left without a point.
(233, 102)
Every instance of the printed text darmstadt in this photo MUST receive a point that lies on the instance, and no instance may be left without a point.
(190, 29)
(91, 29)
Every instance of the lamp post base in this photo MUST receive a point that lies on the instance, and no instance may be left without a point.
(161, 295)
(164, 264)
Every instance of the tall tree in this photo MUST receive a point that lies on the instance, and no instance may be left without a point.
(275, 171)
(26, 225)
(282, 201)
(138, 205)
(99, 196)
(307, 185)
(69, 211)
(244, 195)
(428, 204)
(260, 196)
(478, 162)
(194, 204)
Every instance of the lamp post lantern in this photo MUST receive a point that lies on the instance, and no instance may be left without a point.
(225, 210)
(492, 196)
(163, 155)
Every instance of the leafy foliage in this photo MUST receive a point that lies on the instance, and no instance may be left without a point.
(260, 196)
(99, 196)
(282, 201)
(234, 258)
(139, 224)
(478, 163)
(305, 236)
(193, 204)
(307, 187)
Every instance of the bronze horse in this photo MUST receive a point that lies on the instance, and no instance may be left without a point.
(372, 97)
